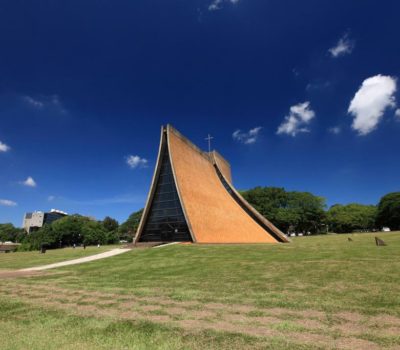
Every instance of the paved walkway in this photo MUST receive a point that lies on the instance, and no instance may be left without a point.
(104, 255)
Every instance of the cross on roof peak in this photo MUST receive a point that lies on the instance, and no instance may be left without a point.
(209, 138)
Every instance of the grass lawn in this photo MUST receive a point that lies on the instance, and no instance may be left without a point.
(320, 292)
(19, 260)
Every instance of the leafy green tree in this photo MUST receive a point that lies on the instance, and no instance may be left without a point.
(389, 211)
(127, 230)
(305, 211)
(110, 224)
(8, 232)
(45, 235)
(111, 227)
(112, 237)
(301, 211)
(93, 232)
(68, 230)
(268, 201)
(351, 217)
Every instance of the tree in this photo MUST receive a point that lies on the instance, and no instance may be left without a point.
(267, 200)
(93, 232)
(45, 235)
(127, 230)
(8, 232)
(110, 224)
(68, 230)
(301, 211)
(305, 211)
(389, 211)
(351, 217)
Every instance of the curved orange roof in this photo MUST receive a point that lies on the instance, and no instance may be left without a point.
(214, 211)
(214, 216)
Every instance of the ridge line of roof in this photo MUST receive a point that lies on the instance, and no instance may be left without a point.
(222, 158)
(204, 154)
(207, 155)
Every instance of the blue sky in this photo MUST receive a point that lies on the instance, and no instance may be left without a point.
(297, 94)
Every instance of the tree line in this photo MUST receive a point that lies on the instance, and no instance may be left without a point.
(290, 211)
(293, 211)
(73, 230)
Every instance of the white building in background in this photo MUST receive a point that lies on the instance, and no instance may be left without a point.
(37, 219)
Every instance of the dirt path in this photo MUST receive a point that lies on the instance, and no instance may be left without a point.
(104, 255)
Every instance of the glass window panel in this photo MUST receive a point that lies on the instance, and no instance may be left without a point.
(165, 220)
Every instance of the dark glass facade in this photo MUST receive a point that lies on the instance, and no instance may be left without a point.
(51, 217)
(165, 221)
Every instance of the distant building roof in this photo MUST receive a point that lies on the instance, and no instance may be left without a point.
(58, 211)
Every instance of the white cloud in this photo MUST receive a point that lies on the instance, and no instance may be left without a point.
(335, 130)
(52, 101)
(343, 47)
(397, 113)
(370, 102)
(51, 198)
(30, 182)
(33, 102)
(247, 137)
(300, 115)
(217, 4)
(4, 147)
(136, 161)
(7, 203)
(318, 85)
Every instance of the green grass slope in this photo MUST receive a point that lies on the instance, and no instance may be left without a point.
(324, 272)
(317, 292)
